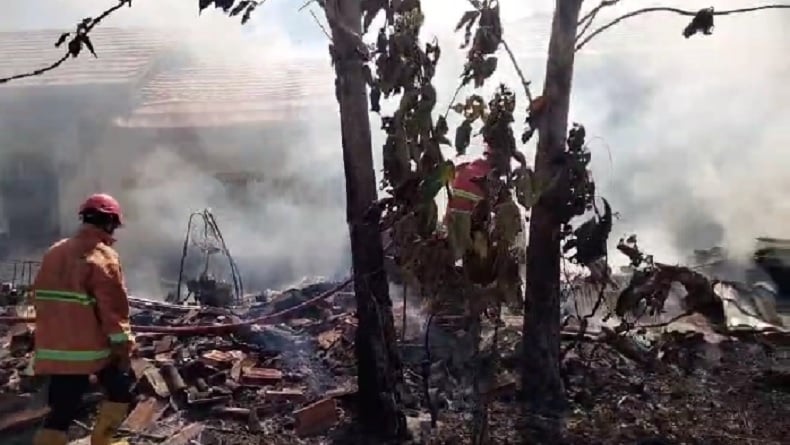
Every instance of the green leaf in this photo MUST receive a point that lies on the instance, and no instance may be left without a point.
(467, 19)
(239, 8)
(441, 128)
(87, 41)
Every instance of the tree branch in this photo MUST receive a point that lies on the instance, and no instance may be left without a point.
(336, 23)
(83, 28)
(524, 82)
(320, 25)
(677, 11)
(588, 19)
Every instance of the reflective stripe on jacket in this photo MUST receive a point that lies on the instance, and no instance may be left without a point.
(466, 194)
(81, 305)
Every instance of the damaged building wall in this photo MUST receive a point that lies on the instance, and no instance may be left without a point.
(46, 139)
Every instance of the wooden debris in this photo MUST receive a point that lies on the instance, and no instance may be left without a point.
(166, 344)
(22, 418)
(187, 434)
(144, 415)
(316, 418)
(242, 413)
(328, 338)
(144, 369)
(339, 393)
(173, 379)
(504, 387)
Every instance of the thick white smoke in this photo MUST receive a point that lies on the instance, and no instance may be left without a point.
(688, 136)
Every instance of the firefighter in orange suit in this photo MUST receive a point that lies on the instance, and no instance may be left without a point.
(466, 193)
(82, 325)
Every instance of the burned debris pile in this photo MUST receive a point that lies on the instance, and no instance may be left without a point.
(709, 376)
(284, 382)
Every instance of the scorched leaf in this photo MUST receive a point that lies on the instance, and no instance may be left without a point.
(87, 41)
(467, 19)
(463, 135)
(62, 39)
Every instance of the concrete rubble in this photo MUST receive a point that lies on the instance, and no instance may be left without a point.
(293, 382)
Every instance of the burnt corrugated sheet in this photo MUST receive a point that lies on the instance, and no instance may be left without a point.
(123, 55)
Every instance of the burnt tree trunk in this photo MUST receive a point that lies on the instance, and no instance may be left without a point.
(380, 373)
(541, 380)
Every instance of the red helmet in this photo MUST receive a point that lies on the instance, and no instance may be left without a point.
(102, 203)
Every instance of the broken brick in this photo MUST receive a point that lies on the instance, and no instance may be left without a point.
(284, 395)
(220, 359)
(261, 376)
(316, 418)
(240, 365)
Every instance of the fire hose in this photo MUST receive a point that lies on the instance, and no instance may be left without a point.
(212, 328)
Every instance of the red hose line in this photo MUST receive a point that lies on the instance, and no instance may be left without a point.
(211, 328)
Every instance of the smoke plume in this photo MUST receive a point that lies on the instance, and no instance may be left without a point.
(687, 134)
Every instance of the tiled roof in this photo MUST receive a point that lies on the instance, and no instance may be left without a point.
(207, 91)
(123, 55)
(215, 94)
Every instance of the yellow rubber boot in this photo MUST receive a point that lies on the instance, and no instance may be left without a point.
(50, 437)
(109, 419)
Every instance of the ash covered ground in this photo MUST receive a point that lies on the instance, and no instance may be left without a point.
(292, 379)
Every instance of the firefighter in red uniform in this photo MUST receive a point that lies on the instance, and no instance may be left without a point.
(82, 325)
(466, 193)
